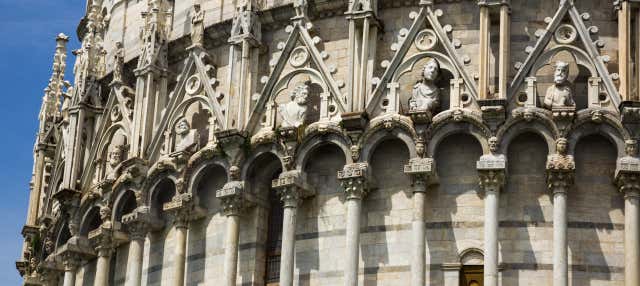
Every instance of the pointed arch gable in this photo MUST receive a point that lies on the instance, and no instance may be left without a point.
(194, 65)
(298, 37)
(398, 64)
(589, 56)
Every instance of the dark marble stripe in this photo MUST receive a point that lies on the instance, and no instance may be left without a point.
(460, 224)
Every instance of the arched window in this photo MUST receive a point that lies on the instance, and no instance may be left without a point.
(274, 240)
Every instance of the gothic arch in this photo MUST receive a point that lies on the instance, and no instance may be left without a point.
(437, 135)
(89, 219)
(608, 131)
(313, 141)
(259, 151)
(198, 172)
(122, 204)
(519, 127)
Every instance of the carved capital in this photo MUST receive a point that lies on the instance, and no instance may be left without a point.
(71, 262)
(560, 172)
(292, 188)
(139, 223)
(235, 198)
(421, 171)
(105, 239)
(627, 176)
(356, 180)
(491, 172)
(184, 209)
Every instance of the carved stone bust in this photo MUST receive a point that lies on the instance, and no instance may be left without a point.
(115, 156)
(426, 95)
(186, 138)
(560, 160)
(294, 112)
(560, 94)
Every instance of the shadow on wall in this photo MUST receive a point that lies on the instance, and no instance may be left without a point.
(523, 204)
(454, 210)
(201, 241)
(321, 169)
(595, 215)
(380, 222)
(156, 260)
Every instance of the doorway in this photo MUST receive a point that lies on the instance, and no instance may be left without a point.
(472, 275)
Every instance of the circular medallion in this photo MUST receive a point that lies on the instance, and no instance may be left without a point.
(426, 40)
(299, 57)
(193, 85)
(565, 34)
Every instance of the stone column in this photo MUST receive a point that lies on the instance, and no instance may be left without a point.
(71, 264)
(420, 170)
(139, 224)
(102, 266)
(180, 252)
(560, 174)
(292, 188)
(354, 179)
(234, 201)
(491, 172)
(184, 210)
(627, 178)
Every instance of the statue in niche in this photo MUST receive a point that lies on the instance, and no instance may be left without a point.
(118, 62)
(426, 95)
(560, 94)
(294, 112)
(186, 138)
(114, 158)
(197, 25)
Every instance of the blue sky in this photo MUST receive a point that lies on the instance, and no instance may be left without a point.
(27, 41)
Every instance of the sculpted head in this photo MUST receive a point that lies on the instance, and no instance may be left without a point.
(431, 70)
(561, 146)
(561, 73)
(182, 127)
(631, 148)
(493, 144)
(115, 156)
(300, 94)
(105, 211)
